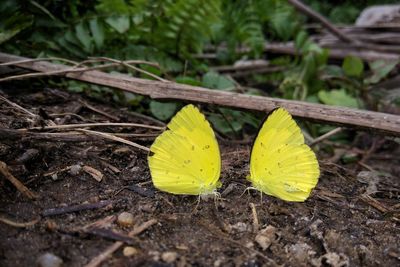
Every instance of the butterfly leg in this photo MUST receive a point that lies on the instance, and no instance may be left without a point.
(248, 190)
(194, 211)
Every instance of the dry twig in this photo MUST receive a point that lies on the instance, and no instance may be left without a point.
(99, 124)
(76, 208)
(256, 224)
(114, 138)
(360, 119)
(19, 224)
(22, 188)
(96, 261)
(309, 12)
(326, 136)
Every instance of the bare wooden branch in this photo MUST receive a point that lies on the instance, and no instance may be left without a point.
(76, 208)
(98, 124)
(367, 120)
(309, 12)
(96, 261)
(20, 186)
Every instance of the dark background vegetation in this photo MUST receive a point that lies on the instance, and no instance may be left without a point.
(172, 33)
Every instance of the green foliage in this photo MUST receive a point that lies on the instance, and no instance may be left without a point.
(171, 32)
(380, 69)
(353, 66)
(163, 111)
(214, 80)
(338, 98)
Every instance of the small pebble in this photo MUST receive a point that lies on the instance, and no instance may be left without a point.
(75, 169)
(49, 260)
(240, 227)
(54, 176)
(169, 257)
(125, 219)
(129, 251)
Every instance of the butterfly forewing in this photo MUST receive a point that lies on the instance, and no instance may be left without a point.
(281, 164)
(186, 158)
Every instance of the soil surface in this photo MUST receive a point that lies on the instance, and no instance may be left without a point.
(351, 219)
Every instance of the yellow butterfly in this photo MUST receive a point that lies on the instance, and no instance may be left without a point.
(281, 164)
(185, 159)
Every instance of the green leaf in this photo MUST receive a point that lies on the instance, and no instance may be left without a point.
(163, 111)
(214, 80)
(353, 66)
(338, 98)
(119, 23)
(380, 69)
(187, 80)
(83, 35)
(97, 32)
(232, 121)
(13, 25)
(301, 38)
(224, 126)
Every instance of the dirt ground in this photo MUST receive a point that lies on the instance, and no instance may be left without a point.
(351, 219)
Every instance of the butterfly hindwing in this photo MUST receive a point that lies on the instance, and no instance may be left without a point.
(185, 158)
(281, 164)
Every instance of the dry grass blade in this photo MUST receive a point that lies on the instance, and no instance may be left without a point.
(22, 188)
(82, 125)
(114, 138)
(19, 224)
(96, 261)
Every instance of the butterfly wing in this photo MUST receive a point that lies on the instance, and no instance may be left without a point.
(281, 164)
(185, 158)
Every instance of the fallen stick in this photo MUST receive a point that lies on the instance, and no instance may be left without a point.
(100, 124)
(96, 261)
(366, 120)
(75, 208)
(22, 188)
(311, 13)
(19, 224)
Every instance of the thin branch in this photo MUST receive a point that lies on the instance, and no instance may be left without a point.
(22, 188)
(311, 13)
(326, 136)
(129, 66)
(114, 138)
(82, 125)
(19, 224)
(96, 261)
(360, 119)
(88, 106)
(18, 107)
(38, 60)
(76, 208)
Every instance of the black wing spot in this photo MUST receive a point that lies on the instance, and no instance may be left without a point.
(206, 147)
(201, 170)
(187, 161)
